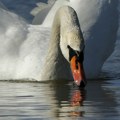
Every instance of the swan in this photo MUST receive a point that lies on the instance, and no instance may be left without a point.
(99, 24)
(64, 54)
(24, 46)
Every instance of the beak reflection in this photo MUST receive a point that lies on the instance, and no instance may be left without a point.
(77, 99)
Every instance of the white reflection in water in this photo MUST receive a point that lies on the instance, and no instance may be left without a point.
(62, 101)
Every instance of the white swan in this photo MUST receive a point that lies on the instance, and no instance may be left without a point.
(66, 45)
(99, 23)
(22, 51)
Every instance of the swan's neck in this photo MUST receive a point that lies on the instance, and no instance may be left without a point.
(56, 66)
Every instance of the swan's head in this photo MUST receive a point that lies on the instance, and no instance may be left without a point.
(72, 47)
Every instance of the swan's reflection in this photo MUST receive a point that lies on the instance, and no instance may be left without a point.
(70, 101)
(77, 99)
(59, 101)
(93, 102)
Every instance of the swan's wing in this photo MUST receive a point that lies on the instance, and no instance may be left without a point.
(48, 20)
(41, 11)
(23, 47)
(40, 16)
(40, 6)
(33, 52)
(2, 6)
(12, 34)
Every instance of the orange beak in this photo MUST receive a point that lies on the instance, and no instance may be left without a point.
(77, 71)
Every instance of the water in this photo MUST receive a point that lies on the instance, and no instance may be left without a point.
(52, 101)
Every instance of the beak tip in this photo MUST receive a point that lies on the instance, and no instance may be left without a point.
(77, 82)
(81, 83)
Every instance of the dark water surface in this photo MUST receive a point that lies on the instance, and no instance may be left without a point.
(63, 101)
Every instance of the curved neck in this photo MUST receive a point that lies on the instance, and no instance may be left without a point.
(56, 66)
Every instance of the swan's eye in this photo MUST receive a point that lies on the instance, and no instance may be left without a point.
(79, 55)
(68, 46)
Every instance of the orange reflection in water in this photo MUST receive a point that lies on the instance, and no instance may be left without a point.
(77, 98)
